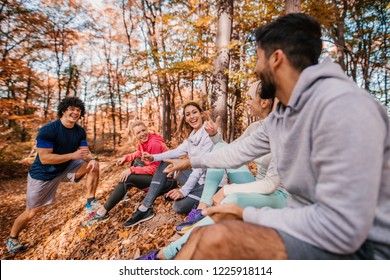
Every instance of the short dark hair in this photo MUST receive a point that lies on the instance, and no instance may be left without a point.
(70, 101)
(297, 35)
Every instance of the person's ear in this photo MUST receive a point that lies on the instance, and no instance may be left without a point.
(276, 58)
(264, 103)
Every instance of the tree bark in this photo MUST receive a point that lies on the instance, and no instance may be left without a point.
(221, 65)
(339, 26)
(293, 6)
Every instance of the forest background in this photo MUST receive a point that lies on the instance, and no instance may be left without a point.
(144, 59)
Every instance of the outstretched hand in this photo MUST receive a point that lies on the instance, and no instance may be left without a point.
(224, 211)
(177, 165)
(147, 157)
(174, 175)
(120, 161)
(211, 127)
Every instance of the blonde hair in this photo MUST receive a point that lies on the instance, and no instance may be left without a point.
(130, 128)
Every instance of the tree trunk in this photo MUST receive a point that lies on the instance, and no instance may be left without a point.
(340, 37)
(166, 121)
(150, 11)
(221, 65)
(94, 123)
(293, 6)
(236, 101)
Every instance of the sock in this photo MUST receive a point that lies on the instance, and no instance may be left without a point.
(101, 212)
(143, 208)
(89, 200)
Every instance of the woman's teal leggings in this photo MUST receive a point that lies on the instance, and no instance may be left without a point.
(214, 176)
(275, 200)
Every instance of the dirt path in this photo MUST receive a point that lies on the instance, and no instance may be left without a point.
(56, 232)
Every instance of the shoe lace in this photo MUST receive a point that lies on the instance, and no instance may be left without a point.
(12, 242)
(95, 203)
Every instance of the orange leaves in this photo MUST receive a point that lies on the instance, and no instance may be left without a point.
(123, 234)
(252, 168)
(82, 231)
(204, 22)
(56, 232)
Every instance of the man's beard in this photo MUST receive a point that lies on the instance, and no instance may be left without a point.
(268, 88)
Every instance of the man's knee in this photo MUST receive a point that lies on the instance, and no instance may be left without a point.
(212, 234)
(96, 169)
(204, 242)
(93, 172)
(261, 242)
(257, 243)
(82, 171)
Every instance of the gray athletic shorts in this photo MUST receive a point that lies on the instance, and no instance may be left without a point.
(42, 193)
(299, 250)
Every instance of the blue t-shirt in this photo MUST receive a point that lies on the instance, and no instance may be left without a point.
(63, 141)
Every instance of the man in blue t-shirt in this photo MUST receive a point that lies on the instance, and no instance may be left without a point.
(63, 155)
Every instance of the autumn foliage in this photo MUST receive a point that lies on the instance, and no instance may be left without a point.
(143, 59)
(56, 233)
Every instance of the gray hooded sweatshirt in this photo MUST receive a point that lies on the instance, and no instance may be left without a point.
(331, 146)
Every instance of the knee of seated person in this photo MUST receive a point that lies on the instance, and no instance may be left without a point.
(95, 171)
(232, 198)
(181, 208)
(120, 185)
(178, 209)
(217, 233)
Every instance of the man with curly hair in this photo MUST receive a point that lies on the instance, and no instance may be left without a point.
(63, 155)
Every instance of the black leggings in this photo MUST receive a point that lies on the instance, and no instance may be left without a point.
(140, 181)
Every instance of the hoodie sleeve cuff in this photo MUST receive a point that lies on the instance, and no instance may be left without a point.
(250, 215)
(216, 138)
(185, 193)
(195, 162)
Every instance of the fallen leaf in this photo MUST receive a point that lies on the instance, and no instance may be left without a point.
(124, 234)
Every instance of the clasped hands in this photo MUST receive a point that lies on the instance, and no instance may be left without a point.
(84, 153)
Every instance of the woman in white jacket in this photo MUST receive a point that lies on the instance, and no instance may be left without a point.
(191, 181)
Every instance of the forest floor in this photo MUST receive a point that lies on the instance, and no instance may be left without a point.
(56, 234)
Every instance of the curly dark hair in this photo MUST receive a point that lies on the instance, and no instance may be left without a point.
(70, 101)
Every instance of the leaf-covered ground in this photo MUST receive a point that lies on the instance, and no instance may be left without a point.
(56, 232)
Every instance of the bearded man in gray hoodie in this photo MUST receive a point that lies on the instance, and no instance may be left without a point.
(331, 145)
